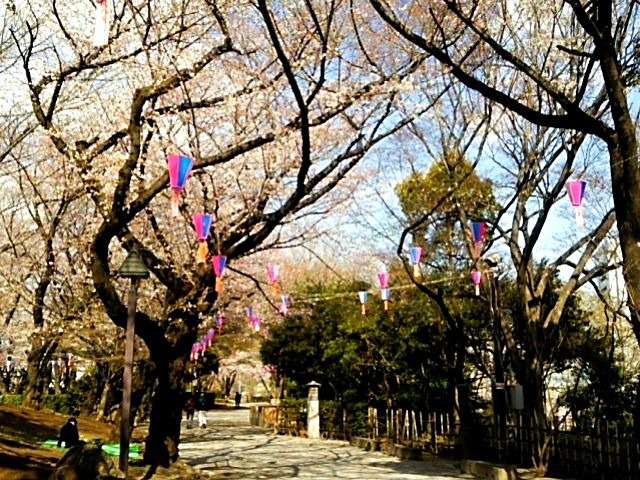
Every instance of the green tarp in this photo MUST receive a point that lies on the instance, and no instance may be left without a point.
(51, 443)
(111, 449)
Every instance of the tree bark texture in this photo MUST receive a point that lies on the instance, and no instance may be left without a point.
(38, 368)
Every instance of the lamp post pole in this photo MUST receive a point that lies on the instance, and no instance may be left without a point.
(125, 424)
(497, 328)
(499, 389)
(133, 268)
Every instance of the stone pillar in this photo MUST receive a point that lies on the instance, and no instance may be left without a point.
(313, 410)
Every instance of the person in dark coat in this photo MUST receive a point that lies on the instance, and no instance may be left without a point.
(238, 399)
(69, 434)
(190, 408)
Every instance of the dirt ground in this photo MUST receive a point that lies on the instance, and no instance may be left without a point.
(22, 431)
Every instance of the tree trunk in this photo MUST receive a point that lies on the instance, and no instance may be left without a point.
(143, 376)
(104, 401)
(456, 356)
(107, 396)
(166, 412)
(57, 377)
(38, 368)
(532, 383)
(95, 394)
(627, 203)
(623, 163)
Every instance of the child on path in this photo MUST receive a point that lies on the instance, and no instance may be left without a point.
(201, 406)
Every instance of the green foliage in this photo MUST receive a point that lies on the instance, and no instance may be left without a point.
(422, 193)
(67, 403)
(557, 346)
(301, 347)
(11, 399)
(397, 356)
(295, 410)
(404, 356)
(357, 420)
(601, 389)
(331, 417)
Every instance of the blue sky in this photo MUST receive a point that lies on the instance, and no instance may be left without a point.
(367, 233)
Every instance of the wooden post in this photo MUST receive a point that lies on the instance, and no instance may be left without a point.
(434, 433)
(125, 406)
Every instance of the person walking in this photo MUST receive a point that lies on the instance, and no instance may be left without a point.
(238, 399)
(190, 408)
(201, 406)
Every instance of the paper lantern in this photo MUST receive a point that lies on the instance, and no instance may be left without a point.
(476, 278)
(576, 190)
(220, 321)
(219, 265)
(179, 169)
(202, 223)
(479, 235)
(273, 274)
(285, 303)
(415, 254)
(385, 294)
(363, 296)
(101, 27)
(383, 279)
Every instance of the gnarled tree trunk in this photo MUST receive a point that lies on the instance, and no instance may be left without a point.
(166, 412)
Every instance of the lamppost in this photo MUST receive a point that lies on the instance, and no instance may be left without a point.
(499, 387)
(133, 268)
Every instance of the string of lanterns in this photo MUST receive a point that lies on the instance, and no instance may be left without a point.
(180, 166)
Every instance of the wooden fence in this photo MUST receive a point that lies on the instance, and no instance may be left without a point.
(602, 451)
(437, 432)
(286, 420)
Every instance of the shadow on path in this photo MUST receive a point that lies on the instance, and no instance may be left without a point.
(232, 449)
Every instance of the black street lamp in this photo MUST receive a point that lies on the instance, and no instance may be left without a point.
(133, 268)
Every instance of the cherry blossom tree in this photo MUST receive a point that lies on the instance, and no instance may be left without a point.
(276, 106)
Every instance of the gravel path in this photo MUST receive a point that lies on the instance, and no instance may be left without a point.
(232, 449)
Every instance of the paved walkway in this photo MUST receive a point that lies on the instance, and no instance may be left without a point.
(231, 449)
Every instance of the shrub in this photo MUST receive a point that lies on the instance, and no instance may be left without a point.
(67, 403)
(11, 399)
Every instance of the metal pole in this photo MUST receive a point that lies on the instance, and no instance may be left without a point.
(500, 407)
(497, 330)
(125, 406)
